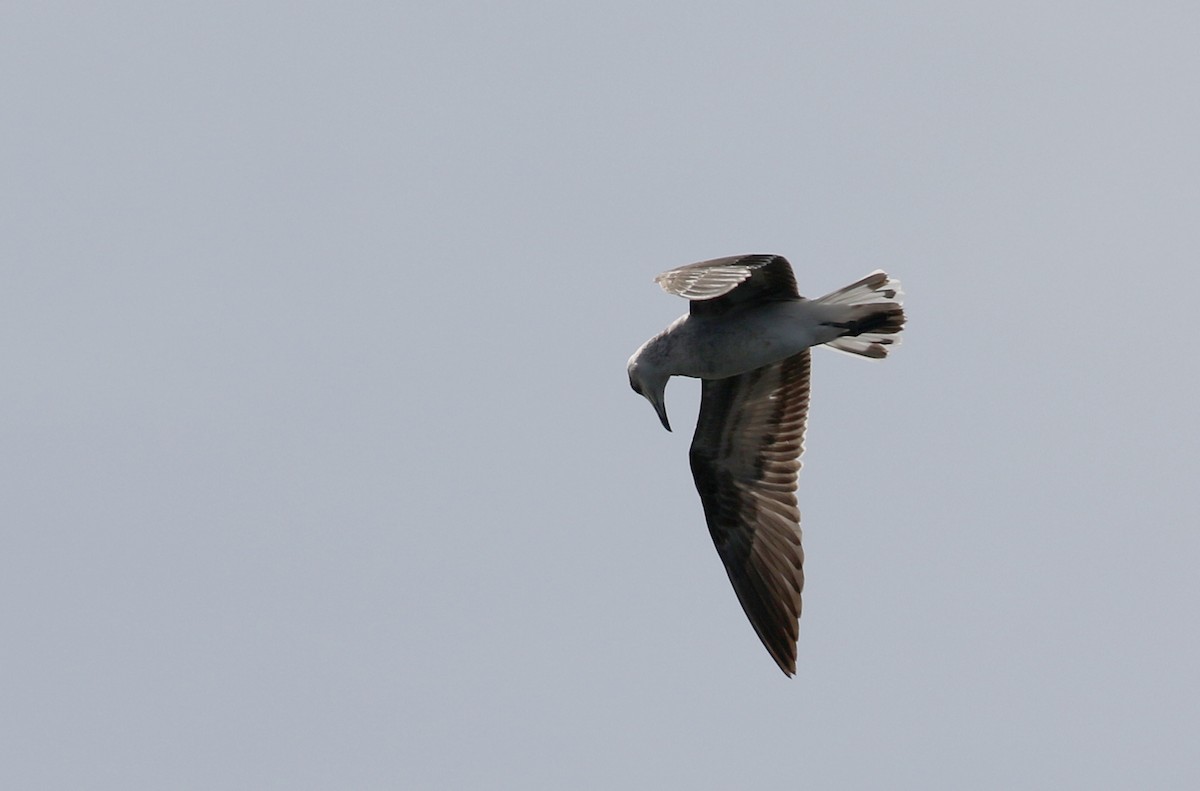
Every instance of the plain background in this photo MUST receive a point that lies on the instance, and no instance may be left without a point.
(320, 468)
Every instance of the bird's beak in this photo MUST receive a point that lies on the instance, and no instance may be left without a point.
(660, 406)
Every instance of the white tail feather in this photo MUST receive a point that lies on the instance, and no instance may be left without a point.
(871, 314)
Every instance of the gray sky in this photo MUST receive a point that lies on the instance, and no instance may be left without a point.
(320, 467)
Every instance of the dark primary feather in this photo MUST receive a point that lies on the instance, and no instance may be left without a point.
(745, 458)
(716, 286)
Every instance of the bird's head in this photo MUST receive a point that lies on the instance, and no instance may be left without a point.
(651, 383)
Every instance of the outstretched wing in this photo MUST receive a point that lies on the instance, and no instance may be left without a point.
(745, 457)
(716, 286)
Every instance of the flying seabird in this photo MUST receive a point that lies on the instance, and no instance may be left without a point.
(747, 337)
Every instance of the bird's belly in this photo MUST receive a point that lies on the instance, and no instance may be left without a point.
(720, 351)
(744, 354)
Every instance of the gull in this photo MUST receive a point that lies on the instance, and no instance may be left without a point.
(747, 337)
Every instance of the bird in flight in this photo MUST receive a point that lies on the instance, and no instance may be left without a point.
(747, 336)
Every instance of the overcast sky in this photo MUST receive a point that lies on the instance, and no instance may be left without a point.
(319, 466)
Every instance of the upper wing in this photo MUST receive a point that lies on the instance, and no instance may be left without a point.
(717, 285)
(745, 457)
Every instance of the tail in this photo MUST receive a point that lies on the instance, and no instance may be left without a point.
(869, 314)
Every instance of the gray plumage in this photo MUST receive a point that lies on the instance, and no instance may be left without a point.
(747, 337)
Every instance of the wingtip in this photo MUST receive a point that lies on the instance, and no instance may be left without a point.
(786, 664)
